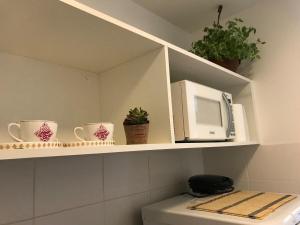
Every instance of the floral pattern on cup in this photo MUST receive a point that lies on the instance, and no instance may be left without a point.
(101, 133)
(44, 133)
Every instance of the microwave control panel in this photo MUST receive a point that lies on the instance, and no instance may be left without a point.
(232, 130)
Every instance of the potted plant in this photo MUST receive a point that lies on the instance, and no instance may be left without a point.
(136, 126)
(228, 45)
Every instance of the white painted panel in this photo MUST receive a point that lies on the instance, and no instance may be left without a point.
(125, 174)
(54, 31)
(29, 222)
(32, 89)
(166, 168)
(141, 82)
(128, 210)
(281, 186)
(275, 162)
(244, 95)
(142, 19)
(64, 183)
(192, 160)
(166, 192)
(193, 15)
(276, 75)
(231, 162)
(188, 66)
(88, 215)
(16, 190)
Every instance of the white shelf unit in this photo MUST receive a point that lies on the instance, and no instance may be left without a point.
(187, 66)
(67, 62)
(76, 151)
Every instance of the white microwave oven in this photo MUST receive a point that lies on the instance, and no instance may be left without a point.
(201, 113)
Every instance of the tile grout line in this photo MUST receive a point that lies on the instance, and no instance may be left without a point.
(103, 186)
(149, 173)
(149, 177)
(18, 221)
(83, 206)
(66, 210)
(34, 190)
(183, 162)
(248, 176)
(103, 168)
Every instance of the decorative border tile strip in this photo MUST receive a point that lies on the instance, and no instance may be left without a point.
(39, 145)
(29, 145)
(88, 143)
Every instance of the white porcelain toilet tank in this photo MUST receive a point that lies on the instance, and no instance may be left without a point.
(175, 211)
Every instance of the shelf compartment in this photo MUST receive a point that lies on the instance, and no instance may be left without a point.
(53, 31)
(71, 97)
(77, 151)
(142, 82)
(187, 66)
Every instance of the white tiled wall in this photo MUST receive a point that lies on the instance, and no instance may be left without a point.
(90, 215)
(16, 190)
(63, 183)
(274, 166)
(125, 174)
(165, 169)
(266, 168)
(91, 190)
(125, 211)
(28, 222)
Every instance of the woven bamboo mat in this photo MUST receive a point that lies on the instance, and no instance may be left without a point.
(249, 204)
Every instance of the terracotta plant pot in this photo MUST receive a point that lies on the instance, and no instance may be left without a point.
(231, 64)
(136, 134)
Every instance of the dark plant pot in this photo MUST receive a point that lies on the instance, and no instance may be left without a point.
(136, 134)
(231, 64)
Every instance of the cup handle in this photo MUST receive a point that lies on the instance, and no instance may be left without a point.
(76, 129)
(11, 134)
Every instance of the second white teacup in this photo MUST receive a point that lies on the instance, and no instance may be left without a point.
(95, 132)
(34, 131)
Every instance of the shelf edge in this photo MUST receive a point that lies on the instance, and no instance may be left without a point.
(207, 62)
(80, 151)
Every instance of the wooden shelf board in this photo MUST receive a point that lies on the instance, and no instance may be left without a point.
(77, 151)
(187, 66)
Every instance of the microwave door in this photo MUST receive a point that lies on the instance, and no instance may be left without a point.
(206, 120)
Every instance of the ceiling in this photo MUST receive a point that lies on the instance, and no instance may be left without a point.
(193, 15)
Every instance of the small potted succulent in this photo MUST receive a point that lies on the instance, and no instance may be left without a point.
(136, 126)
(228, 45)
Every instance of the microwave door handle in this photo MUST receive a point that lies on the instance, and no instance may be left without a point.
(229, 115)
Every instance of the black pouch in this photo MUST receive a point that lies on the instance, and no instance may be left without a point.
(205, 185)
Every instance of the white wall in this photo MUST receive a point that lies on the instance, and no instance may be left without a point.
(135, 15)
(91, 190)
(33, 90)
(276, 75)
(82, 190)
(275, 164)
(141, 82)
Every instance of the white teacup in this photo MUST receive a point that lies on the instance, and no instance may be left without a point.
(95, 132)
(34, 131)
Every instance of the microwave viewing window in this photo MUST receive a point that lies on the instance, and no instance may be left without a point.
(208, 111)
